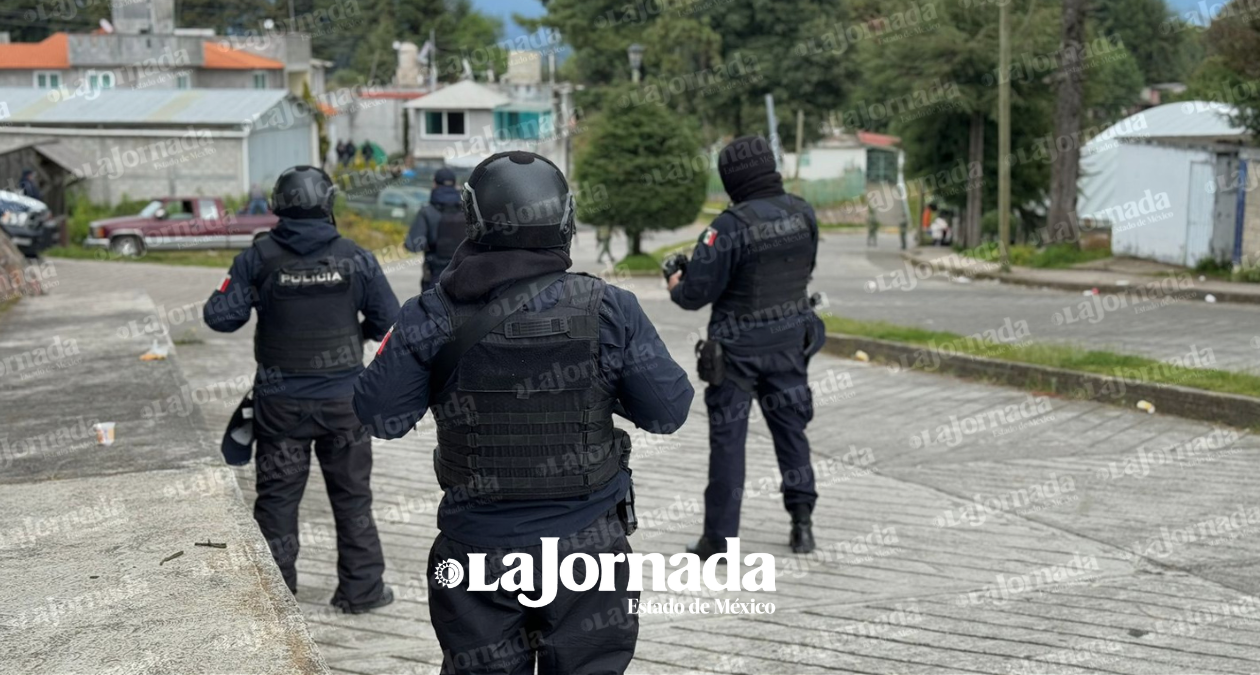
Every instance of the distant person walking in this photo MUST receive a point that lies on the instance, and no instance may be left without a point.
(257, 200)
(872, 228)
(30, 185)
(940, 231)
(903, 226)
(603, 235)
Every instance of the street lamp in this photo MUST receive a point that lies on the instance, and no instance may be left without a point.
(635, 51)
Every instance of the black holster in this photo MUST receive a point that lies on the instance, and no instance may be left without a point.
(711, 362)
(625, 508)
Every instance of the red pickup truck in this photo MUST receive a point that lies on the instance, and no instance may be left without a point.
(178, 223)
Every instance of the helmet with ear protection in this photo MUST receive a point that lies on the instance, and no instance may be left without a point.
(519, 200)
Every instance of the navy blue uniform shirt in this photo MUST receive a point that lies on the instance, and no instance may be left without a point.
(229, 308)
(714, 262)
(423, 235)
(653, 392)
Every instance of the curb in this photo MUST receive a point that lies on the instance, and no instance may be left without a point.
(1018, 280)
(1196, 404)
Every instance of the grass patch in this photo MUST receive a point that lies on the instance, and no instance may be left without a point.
(841, 226)
(382, 237)
(1225, 271)
(200, 258)
(639, 263)
(1055, 256)
(664, 252)
(1099, 362)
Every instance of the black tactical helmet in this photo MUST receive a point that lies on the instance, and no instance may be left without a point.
(303, 192)
(518, 200)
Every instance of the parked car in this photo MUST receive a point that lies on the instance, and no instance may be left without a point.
(178, 223)
(29, 223)
(399, 202)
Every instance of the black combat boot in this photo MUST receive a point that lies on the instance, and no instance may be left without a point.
(387, 597)
(706, 548)
(802, 538)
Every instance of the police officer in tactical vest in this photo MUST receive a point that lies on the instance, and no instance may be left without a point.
(753, 265)
(309, 286)
(523, 366)
(438, 228)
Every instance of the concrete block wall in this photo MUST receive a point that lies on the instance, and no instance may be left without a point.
(145, 167)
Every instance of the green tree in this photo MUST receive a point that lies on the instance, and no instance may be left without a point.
(1166, 48)
(640, 167)
(716, 63)
(1231, 74)
(938, 91)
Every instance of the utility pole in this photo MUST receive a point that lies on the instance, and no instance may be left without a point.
(772, 127)
(800, 131)
(1004, 136)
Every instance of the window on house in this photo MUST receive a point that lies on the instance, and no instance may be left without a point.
(455, 123)
(444, 123)
(102, 80)
(47, 80)
(183, 81)
(260, 80)
(881, 166)
(519, 125)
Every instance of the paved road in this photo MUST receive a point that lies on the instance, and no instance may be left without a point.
(1165, 327)
(964, 527)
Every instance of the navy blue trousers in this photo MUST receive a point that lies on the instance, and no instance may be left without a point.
(780, 386)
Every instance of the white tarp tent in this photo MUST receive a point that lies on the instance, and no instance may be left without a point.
(1152, 175)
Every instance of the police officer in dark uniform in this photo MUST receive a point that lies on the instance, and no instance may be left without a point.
(753, 265)
(438, 228)
(309, 286)
(523, 366)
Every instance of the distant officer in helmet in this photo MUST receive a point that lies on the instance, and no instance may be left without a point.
(753, 264)
(523, 366)
(310, 286)
(438, 228)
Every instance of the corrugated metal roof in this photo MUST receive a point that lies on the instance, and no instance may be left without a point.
(139, 107)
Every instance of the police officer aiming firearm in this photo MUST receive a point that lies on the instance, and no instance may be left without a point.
(753, 265)
(523, 366)
(438, 228)
(309, 286)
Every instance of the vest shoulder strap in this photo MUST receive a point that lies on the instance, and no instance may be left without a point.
(489, 317)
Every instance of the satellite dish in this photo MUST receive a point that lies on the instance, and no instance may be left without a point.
(269, 24)
(107, 26)
(397, 45)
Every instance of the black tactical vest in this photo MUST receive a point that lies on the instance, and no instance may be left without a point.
(450, 230)
(528, 413)
(779, 239)
(310, 323)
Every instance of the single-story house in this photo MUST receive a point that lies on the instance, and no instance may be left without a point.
(465, 122)
(1166, 182)
(154, 143)
(877, 156)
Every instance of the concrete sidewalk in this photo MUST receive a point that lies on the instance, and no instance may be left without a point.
(98, 544)
(1187, 282)
(963, 527)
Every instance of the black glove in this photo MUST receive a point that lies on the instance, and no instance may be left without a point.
(674, 263)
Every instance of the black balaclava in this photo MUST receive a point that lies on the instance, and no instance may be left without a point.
(747, 169)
